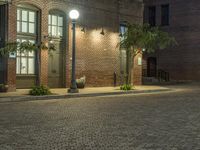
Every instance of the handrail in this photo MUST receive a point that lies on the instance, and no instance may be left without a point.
(163, 75)
(160, 74)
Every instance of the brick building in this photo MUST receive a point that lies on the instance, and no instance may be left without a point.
(98, 56)
(180, 19)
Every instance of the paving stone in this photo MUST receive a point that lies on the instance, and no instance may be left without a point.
(164, 121)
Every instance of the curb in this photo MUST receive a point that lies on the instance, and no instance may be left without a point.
(51, 97)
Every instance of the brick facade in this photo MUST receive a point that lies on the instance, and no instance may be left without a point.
(180, 61)
(98, 56)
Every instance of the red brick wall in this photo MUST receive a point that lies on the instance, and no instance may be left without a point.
(97, 56)
(137, 71)
(44, 67)
(11, 63)
(181, 61)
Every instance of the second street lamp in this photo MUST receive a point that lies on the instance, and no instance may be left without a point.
(74, 15)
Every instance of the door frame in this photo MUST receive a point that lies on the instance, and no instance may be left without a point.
(149, 69)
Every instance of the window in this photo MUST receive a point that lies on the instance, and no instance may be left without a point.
(26, 21)
(152, 15)
(26, 31)
(123, 29)
(25, 61)
(165, 15)
(55, 25)
(123, 57)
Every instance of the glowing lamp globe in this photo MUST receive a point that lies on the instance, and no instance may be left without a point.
(74, 14)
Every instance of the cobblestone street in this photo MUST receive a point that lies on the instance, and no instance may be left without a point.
(161, 121)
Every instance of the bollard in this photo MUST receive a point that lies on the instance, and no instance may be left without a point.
(115, 79)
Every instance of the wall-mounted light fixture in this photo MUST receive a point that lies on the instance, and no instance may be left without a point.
(48, 37)
(48, 40)
(143, 49)
(120, 35)
(102, 32)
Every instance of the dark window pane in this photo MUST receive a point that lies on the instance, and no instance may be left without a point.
(165, 15)
(152, 15)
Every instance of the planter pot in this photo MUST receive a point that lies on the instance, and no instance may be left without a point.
(81, 82)
(80, 85)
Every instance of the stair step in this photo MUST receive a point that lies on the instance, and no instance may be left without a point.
(150, 79)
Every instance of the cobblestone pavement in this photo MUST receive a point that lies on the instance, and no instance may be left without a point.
(164, 121)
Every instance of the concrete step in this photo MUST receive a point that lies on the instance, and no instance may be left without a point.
(150, 80)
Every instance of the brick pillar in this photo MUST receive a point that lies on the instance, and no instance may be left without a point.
(11, 37)
(44, 67)
(11, 74)
(43, 78)
(137, 70)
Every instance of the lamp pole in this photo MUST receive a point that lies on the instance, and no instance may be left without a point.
(74, 14)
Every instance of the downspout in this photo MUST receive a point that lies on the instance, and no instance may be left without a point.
(6, 40)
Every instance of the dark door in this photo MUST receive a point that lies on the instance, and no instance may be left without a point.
(55, 66)
(2, 70)
(2, 41)
(152, 67)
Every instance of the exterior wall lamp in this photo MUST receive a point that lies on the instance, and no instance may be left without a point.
(102, 32)
(83, 30)
(74, 15)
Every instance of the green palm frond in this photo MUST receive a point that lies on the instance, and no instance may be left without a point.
(147, 37)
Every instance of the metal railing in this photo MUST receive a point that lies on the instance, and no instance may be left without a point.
(163, 75)
(160, 74)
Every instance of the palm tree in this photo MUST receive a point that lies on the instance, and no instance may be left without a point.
(138, 38)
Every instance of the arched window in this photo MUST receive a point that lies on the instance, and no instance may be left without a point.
(56, 24)
(26, 31)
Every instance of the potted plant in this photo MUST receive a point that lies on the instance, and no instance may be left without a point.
(81, 82)
(3, 88)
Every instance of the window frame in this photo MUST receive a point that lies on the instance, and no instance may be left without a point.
(152, 18)
(165, 17)
(28, 21)
(27, 57)
(27, 36)
(123, 29)
(57, 26)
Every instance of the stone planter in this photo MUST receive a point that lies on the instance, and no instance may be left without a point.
(81, 82)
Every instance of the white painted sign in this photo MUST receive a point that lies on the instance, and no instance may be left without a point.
(12, 55)
(139, 61)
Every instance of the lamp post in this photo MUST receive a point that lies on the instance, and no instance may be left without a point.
(74, 15)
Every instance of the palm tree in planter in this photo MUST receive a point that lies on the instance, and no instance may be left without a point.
(14, 47)
(139, 38)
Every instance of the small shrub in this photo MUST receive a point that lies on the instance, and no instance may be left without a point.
(126, 87)
(40, 90)
(3, 88)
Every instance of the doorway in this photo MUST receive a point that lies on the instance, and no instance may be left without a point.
(152, 67)
(55, 66)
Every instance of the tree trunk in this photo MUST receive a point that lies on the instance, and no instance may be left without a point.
(130, 65)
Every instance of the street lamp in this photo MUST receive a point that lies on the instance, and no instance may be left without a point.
(74, 15)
